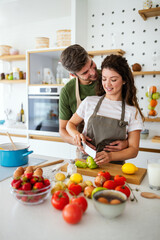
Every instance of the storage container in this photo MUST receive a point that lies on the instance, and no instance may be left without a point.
(5, 50)
(63, 38)
(42, 42)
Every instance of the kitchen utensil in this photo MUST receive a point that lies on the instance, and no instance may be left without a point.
(113, 169)
(47, 164)
(109, 210)
(14, 147)
(149, 195)
(91, 152)
(14, 158)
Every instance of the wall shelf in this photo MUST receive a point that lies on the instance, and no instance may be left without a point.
(106, 52)
(13, 57)
(151, 12)
(152, 119)
(13, 81)
(146, 73)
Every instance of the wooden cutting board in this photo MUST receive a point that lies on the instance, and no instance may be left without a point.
(113, 169)
(156, 139)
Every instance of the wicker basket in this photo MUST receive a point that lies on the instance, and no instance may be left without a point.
(4, 50)
(42, 42)
(63, 38)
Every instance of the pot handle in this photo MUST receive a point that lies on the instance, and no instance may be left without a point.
(27, 153)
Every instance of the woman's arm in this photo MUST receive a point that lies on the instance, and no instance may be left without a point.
(130, 152)
(72, 129)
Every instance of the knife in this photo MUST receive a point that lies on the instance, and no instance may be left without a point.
(91, 152)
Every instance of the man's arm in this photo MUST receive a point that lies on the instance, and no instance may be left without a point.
(63, 132)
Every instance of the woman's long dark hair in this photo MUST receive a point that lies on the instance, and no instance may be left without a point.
(120, 65)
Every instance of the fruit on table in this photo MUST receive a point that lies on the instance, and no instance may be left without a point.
(74, 189)
(81, 201)
(124, 189)
(99, 180)
(97, 189)
(119, 180)
(81, 164)
(26, 184)
(105, 174)
(109, 184)
(88, 191)
(60, 176)
(83, 185)
(129, 168)
(72, 213)
(76, 178)
(58, 186)
(91, 163)
(89, 183)
(59, 199)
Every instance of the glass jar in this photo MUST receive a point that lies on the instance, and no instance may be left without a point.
(71, 168)
(153, 96)
(15, 73)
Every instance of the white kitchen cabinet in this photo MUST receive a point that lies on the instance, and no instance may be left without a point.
(5, 139)
(53, 149)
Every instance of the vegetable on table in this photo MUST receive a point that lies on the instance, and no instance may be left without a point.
(91, 163)
(59, 199)
(81, 164)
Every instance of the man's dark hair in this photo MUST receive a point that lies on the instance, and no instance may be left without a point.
(74, 58)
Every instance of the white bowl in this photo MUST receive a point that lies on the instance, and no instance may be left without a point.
(108, 210)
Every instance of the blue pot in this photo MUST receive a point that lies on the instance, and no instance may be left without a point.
(14, 158)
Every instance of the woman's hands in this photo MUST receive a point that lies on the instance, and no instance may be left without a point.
(102, 158)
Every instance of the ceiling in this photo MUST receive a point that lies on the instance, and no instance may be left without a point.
(16, 12)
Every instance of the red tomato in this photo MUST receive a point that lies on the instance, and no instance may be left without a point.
(81, 201)
(72, 213)
(124, 189)
(59, 199)
(119, 180)
(110, 184)
(74, 189)
(105, 174)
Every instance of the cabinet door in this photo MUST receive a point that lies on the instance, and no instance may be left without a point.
(141, 159)
(53, 149)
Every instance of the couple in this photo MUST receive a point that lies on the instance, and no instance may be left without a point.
(109, 118)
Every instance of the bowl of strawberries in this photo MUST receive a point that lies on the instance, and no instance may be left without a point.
(30, 187)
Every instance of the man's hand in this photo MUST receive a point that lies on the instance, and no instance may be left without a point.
(116, 146)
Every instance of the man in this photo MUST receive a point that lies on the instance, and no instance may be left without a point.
(77, 61)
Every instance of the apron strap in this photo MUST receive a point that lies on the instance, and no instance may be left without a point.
(77, 93)
(122, 123)
(98, 105)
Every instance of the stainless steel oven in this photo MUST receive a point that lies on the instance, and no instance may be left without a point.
(43, 110)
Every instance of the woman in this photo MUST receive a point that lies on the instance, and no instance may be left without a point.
(113, 114)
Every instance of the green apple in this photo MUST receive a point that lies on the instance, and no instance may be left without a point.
(155, 95)
(97, 189)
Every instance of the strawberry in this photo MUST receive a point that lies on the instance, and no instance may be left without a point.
(26, 186)
(28, 175)
(34, 179)
(24, 199)
(17, 184)
(24, 178)
(14, 181)
(46, 182)
(38, 185)
(41, 179)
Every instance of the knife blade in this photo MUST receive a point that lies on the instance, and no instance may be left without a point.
(91, 152)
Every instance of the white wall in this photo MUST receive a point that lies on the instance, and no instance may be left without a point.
(115, 24)
(21, 21)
